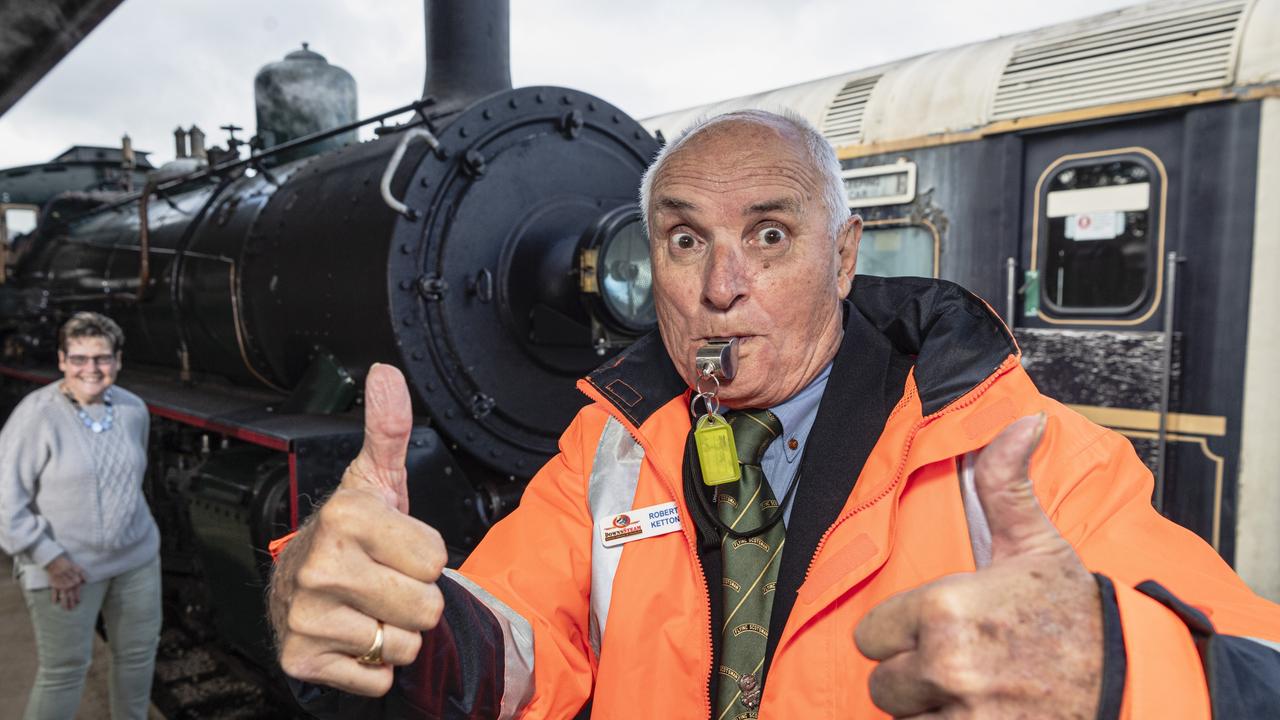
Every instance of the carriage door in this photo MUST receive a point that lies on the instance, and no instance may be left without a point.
(1093, 285)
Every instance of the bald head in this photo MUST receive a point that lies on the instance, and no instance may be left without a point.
(745, 126)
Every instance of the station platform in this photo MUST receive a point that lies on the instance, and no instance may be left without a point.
(18, 661)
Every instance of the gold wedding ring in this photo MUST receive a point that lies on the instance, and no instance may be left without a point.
(374, 655)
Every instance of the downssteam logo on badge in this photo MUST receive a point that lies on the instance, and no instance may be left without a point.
(623, 526)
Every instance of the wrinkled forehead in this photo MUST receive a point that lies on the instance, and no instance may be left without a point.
(726, 141)
(738, 153)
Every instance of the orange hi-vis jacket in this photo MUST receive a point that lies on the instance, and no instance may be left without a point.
(628, 627)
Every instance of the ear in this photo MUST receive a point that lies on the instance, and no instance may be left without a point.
(847, 241)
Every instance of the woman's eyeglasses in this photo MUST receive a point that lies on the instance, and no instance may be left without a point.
(99, 360)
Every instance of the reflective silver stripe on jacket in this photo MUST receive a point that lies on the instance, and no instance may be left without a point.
(517, 645)
(615, 473)
(979, 531)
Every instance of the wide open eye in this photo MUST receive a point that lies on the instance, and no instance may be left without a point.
(771, 236)
(683, 242)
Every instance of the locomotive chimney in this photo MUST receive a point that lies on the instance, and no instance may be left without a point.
(128, 160)
(468, 50)
(197, 143)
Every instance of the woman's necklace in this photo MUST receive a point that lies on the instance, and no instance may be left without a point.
(97, 426)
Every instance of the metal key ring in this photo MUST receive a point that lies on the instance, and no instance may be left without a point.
(697, 384)
(707, 399)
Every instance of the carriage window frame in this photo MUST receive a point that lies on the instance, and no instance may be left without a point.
(1153, 282)
(6, 233)
(909, 222)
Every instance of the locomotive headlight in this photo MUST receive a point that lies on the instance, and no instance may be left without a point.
(626, 277)
(616, 273)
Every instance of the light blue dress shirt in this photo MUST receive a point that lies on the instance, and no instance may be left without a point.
(781, 460)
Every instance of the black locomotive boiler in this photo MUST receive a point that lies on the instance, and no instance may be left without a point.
(491, 248)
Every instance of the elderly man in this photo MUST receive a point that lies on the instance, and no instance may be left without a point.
(915, 530)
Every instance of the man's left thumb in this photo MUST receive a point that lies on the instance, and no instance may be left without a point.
(1018, 524)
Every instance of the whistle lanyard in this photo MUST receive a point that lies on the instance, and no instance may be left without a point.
(711, 456)
(705, 517)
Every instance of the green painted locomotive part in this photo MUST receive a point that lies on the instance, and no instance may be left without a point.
(236, 500)
(325, 388)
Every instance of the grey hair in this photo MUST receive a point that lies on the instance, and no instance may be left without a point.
(91, 324)
(820, 154)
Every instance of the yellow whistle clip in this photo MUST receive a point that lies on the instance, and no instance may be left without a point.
(717, 452)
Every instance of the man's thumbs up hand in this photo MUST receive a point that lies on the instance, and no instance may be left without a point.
(352, 593)
(1021, 637)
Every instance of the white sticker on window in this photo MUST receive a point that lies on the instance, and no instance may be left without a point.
(1133, 197)
(1095, 226)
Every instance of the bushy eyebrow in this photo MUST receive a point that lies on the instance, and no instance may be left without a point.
(785, 205)
(670, 203)
(779, 205)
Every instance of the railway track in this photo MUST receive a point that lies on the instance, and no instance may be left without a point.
(193, 682)
(195, 679)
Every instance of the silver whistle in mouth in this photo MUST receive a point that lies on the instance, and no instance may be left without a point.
(718, 358)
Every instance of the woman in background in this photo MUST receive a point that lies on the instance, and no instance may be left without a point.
(72, 513)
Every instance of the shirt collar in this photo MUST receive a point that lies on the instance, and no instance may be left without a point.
(797, 413)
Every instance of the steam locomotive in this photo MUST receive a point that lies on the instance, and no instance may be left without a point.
(1104, 181)
(490, 247)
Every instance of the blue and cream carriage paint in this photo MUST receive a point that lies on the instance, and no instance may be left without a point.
(1112, 187)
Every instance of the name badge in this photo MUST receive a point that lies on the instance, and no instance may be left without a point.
(640, 523)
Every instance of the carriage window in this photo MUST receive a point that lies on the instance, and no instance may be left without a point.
(1099, 234)
(18, 220)
(897, 249)
(15, 221)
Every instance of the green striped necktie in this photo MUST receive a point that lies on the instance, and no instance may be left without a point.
(750, 568)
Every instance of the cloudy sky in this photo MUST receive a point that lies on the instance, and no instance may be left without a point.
(155, 64)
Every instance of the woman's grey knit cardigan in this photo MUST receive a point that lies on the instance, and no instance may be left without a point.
(65, 489)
